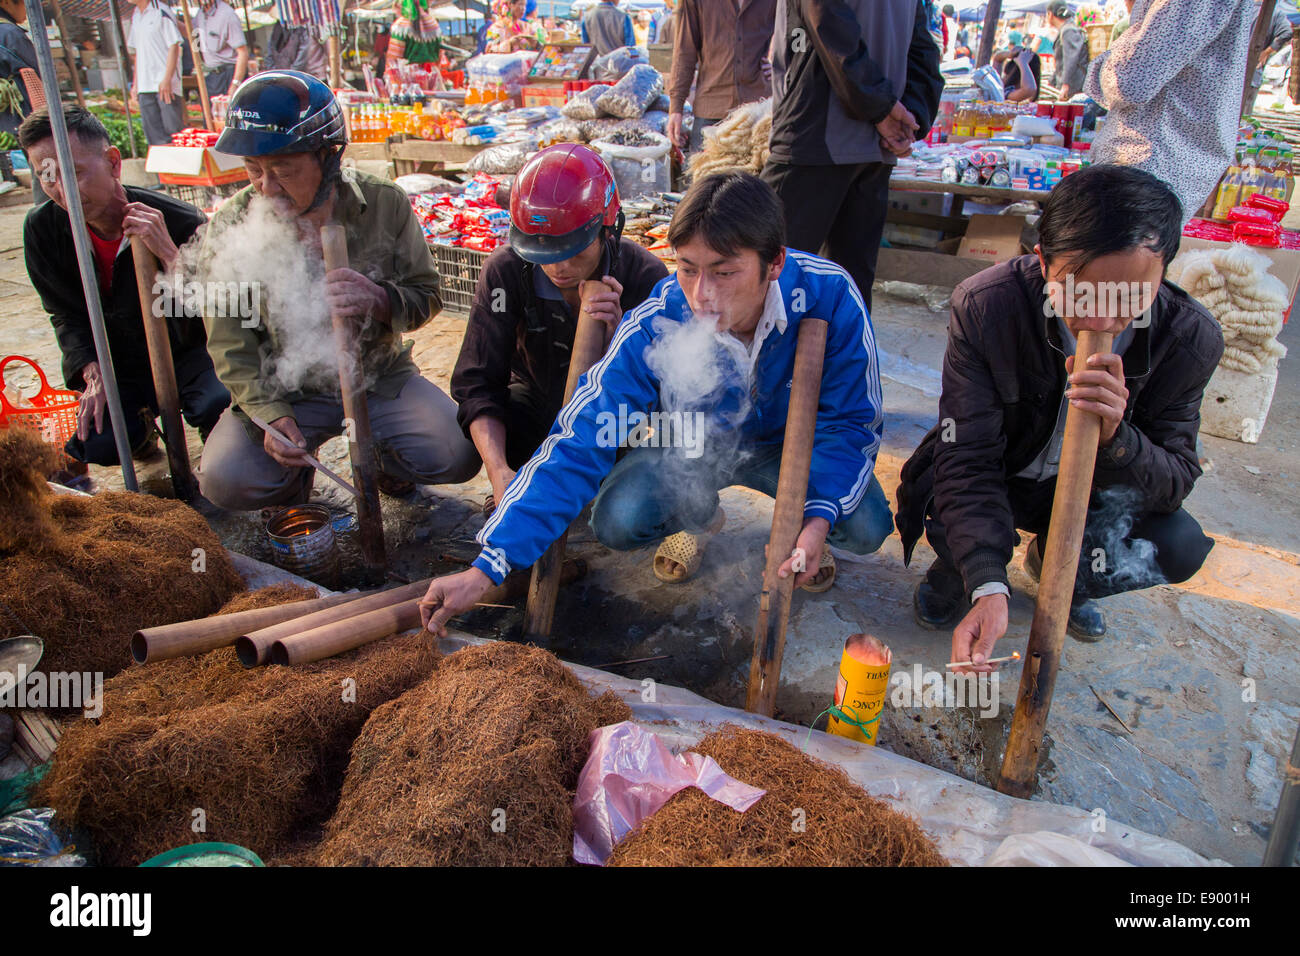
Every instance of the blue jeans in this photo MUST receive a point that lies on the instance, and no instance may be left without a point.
(655, 492)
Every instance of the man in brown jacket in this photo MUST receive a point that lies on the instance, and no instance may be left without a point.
(989, 466)
(721, 46)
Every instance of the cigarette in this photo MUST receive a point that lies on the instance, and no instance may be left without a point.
(1015, 656)
(346, 486)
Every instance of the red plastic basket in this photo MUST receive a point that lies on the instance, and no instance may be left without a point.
(53, 412)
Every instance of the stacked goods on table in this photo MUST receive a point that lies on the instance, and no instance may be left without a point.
(84, 573)
(739, 142)
(1233, 282)
(191, 136)
(1263, 166)
(497, 733)
(647, 223)
(1257, 221)
(470, 220)
(841, 824)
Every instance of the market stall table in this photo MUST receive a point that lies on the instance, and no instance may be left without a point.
(935, 268)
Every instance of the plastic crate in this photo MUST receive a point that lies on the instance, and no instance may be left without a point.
(201, 196)
(459, 270)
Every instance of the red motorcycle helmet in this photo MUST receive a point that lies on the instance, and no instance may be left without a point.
(559, 203)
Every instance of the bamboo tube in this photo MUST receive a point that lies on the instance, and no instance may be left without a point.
(68, 54)
(164, 373)
(254, 646)
(787, 517)
(208, 633)
(588, 347)
(356, 414)
(326, 641)
(1056, 586)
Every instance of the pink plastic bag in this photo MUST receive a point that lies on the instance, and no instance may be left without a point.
(631, 774)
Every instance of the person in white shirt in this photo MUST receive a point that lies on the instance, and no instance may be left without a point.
(154, 41)
(225, 51)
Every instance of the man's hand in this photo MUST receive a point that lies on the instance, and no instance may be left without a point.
(766, 68)
(600, 300)
(896, 130)
(290, 456)
(148, 223)
(132, 100)
(1100, 389)
(979, 630)
(500, 478)
(1065, 93)
(352, 296)
(165, 90)
(93, 402)
(674, 131)
(812, 539)
(451, 595)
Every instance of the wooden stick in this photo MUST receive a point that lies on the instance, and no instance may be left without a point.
(198, 70)
(992, 660)
(311, 459)
(336, 62)
(1110, 708)
(787, 517)
(68, 54)
(321, 642)
(1056, 586)
(208, 633)
(588, 347)
(356, 415)
(164, 373)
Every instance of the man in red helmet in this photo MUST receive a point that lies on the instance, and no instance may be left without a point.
(566, 226)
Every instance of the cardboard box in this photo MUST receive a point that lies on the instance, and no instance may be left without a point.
(995, 238)
(932, 204)
(195, 166)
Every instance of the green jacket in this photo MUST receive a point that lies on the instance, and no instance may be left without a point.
(385, 244)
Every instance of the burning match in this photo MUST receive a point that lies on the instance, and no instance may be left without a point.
(1015, 656)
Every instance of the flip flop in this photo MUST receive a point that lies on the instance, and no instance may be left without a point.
(828, 561)
(686, 550)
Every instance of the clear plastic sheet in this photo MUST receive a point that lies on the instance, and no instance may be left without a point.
(968, 822)
(506, 159)
(638, 170)
(629, 775)
(615, 63)
(631, 96)
(27, 839)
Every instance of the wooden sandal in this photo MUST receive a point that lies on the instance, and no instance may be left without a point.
(684, 549)
(828, 561)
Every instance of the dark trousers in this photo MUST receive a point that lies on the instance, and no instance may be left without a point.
(835, 211)
(218, 80)
(203, 399)
(1124, 549)
(160, 120)
(528, 422)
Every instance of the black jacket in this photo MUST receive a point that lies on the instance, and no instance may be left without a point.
(52, 266)
(838, 71)
(1003, 380)
(513, 335)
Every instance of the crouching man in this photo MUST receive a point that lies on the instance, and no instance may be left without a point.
(989, 467)
(566, 225)
(708, 359)
(114, 215)
(278, 358)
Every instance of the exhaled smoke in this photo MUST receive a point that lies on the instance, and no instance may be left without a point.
(279, 259)
(1118, 561)
(704, 382)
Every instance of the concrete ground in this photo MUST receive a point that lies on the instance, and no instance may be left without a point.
(1204, 676)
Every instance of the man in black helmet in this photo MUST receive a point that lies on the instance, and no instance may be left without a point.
(274, 351)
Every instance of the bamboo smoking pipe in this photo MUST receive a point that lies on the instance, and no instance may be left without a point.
(158, 342)
(356, 413)
(787, 517)
(1056, 586)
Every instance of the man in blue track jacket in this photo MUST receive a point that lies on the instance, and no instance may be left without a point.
(701, 372)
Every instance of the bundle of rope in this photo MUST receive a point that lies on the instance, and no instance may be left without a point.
(1249, 304)
(739, 142)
